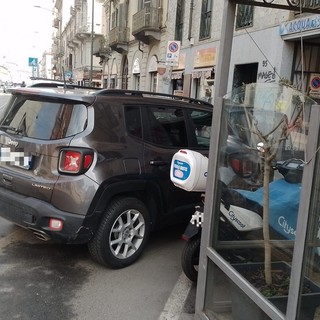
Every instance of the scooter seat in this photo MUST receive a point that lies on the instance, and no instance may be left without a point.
(283, 205)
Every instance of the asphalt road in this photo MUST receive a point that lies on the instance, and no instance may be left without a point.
(42, 280)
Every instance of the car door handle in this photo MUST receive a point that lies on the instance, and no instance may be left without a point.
(7, 179)
(158, 163)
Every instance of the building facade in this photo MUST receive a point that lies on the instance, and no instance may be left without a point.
(125, 44)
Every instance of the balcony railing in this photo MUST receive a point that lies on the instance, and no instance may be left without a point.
(119, 35)
(148, 18)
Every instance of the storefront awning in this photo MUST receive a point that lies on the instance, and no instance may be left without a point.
(176, 75)
(204, 72)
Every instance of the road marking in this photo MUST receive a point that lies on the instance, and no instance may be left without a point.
(176, 300)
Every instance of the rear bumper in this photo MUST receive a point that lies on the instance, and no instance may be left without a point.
(34, 214)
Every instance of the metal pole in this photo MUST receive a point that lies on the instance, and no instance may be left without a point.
(92, 35)
(222, 71)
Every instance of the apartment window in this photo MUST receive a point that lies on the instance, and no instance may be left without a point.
(136, 80)
(144, 3)
(114, 18)
(154, 81)
(124, 84)
(205, 23)
(70, 62)
(179, 20)
(244, 16)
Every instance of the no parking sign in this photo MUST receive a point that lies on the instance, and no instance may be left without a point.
(315, 83)
(173, 51)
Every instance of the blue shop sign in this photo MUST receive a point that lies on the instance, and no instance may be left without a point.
(300, 25)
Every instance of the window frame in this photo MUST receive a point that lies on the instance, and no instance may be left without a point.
(179, 20)
(206, 19)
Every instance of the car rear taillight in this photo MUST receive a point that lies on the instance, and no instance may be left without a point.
(242, 166)
(75, 160)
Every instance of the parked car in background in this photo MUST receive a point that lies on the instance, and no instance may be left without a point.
(3, 88)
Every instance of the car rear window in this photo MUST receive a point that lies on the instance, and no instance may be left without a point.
(44, 120)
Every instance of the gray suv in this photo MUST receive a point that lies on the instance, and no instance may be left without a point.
(80, 165)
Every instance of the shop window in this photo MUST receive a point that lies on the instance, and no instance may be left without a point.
(177, 86)
(203, 89)
(205, 22)
(244, 74)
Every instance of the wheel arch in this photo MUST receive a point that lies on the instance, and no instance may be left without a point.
(146, 191)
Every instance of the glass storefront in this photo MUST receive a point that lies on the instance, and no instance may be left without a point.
(261, 234)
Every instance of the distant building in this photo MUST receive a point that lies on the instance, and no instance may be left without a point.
(5, 74)
(45, 66)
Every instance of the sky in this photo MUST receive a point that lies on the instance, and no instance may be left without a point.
(25, 31)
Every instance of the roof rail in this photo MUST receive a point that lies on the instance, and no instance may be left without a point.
(60, 84)
(119, 92)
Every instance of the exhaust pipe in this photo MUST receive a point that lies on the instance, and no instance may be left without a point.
(41, 235)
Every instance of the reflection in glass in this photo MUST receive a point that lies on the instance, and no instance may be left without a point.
(261, 161)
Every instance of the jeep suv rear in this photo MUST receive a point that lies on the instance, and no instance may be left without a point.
(92, 166)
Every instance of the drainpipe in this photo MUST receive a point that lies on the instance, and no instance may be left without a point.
(190, 20)
(140, 47)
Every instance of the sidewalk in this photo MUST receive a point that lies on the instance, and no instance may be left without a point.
(188, 309)
(181, 303)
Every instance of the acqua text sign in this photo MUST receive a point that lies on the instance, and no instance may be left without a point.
(173, 51)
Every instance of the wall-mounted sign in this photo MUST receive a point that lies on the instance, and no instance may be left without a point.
(32, 62)
(172, 55)
(205, 58)
(300, 25)
(314, 84)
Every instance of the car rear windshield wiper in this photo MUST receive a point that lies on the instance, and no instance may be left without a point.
(16, 130)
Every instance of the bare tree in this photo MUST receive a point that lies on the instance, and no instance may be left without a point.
(271, 144)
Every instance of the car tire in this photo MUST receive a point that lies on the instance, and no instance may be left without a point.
(122, 234)
(190, 258)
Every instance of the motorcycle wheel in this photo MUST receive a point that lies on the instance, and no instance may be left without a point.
(190, 258)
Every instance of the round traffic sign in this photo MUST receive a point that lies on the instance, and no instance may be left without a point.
(315, 82)
(173, 46)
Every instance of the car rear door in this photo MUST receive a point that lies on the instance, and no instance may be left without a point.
(167, 129)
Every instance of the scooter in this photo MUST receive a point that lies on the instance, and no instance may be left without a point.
(240, 210)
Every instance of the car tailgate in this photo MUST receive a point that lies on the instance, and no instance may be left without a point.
(29, 168)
